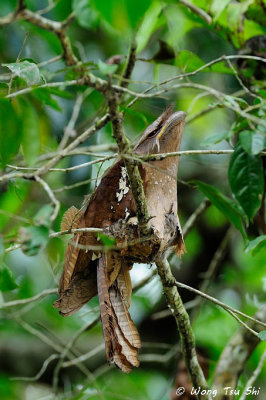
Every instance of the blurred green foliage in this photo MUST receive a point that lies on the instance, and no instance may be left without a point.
(171, 40)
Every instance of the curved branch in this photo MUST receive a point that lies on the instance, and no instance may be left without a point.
(183, 323)
(234, 357)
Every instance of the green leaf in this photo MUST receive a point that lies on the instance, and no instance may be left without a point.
(33, 238)
(44, 96)
(226, 205)
(30, 131)
(86, 15)
(60, 93)
(10, 135)
(256, 244)
(220, 68)
(123, 14)
(136, 9)
(7, 281)
(43, 216)
(25, 70)
(2, 249)
(252, 143)
(106, 69)
(235, 13)
(216, 138)
(148, 25)
(217, 7)
(262, 335)
(246, 180)
(188, 61)
(3, 89)
(252, 28)
(107, 240)
(55, 251)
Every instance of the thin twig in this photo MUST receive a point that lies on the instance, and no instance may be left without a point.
(235, 355)
(50, 193)
(69, 129)
(12, 248)
(218, 302)
(68, 347)
(192, 219)
(253, 377)
(201, 13)
(37, 297)
(46, 363)
(70, 231)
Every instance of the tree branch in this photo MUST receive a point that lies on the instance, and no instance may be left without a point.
(254, 376)
(132, 168)
(234, 356)
(185, 331)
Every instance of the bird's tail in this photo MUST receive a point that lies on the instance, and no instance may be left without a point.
(121, 337)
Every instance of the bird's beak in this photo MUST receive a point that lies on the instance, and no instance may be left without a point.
(172, 121)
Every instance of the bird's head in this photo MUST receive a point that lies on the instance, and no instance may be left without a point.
(164, 134)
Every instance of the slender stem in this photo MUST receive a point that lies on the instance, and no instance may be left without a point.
(184, 327)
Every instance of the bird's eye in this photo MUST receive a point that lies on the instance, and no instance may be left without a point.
(153, 133)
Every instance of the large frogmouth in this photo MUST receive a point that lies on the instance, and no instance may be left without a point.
(89, 270)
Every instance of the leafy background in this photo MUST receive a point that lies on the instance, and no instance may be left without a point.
(171, 40)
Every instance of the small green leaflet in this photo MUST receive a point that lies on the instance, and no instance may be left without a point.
(43, 216)
(188, 61)
(217, 7)
(246, 180)
(252, 143)
(106, 69)
(33, 238)
(7, 281)
(10, 135)
(44, 96)
(106, 240)
(121, 15)
(256, 244)
(262, 335)
(25, 70)
(86, 15)
(216, 138)
(2, 250)
(30, 131)
(148, 25)
(235, 12)
(223, 203)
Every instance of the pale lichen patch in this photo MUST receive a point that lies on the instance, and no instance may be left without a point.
(95, 256)
(127, 213)
(123, 188)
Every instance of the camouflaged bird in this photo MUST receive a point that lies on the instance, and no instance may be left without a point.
(88, 270)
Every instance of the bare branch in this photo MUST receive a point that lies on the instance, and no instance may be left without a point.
(218, 302)
(21, 302)
(253, 377)
(46, 363)
(132, 169)
(185, 331)
(192, 219)
(231, 364)
(129, 66)
(12, 248)
(84, 357)
(70, 231)
(51, 195)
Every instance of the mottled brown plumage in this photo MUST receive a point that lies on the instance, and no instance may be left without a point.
(88, 271)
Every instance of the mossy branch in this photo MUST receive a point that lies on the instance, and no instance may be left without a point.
(184, 327)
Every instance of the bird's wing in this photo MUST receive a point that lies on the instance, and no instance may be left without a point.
(120, 334)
